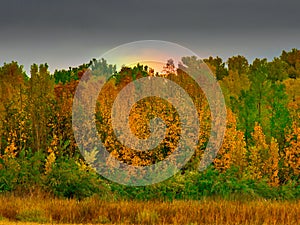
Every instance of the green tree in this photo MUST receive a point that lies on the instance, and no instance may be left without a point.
(217, 66)
(292, 58)
(265, 102)
(239, 64)
(260, 85)
(246, 109)
(250, 105)
(280, 117)
(278, 70)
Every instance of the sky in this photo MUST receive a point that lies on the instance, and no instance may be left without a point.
(71, 32)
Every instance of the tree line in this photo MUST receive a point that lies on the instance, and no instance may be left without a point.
(261, 144)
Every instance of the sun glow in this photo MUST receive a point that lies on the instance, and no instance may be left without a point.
(155, 58)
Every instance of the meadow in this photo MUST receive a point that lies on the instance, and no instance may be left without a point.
(42, 209)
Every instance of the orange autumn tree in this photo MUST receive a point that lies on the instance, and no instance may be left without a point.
(139, 118)
(273, 163)
(62, 134)
(292, 152)
(13, 117)
(263, 158)
(233, 150)
(146, 109)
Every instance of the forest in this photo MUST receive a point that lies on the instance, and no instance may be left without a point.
(259, 159)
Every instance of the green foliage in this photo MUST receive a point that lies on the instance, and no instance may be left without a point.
(278, 70)
(265, 102)
(280, 117)
(67, 179)
(208, 184)
(292, 59)
(217, 66)
(246, 109)
(9, 175)
(238, 64)
(22, 174)
(66, 76)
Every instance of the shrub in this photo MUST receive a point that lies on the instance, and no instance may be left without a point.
(22, 174)
(67, 179)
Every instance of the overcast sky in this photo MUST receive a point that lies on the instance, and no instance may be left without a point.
(70, 32)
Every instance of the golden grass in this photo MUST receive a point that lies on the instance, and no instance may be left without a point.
(40, 209)
(30, 223)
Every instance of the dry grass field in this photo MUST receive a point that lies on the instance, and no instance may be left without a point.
(45, 210)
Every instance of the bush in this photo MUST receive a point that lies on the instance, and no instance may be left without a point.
(67, 179)
(22, 174)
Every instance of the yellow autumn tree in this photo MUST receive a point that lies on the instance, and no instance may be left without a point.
(263, 157)
(233, 150)
(292, 152)
(12, 116)
(272, 163)
(258, 154)
(234, 83)
(141, 114)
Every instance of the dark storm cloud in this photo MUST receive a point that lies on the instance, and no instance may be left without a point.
(65, 32)
(143, 15)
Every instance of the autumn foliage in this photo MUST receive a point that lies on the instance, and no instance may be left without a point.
(261, 143)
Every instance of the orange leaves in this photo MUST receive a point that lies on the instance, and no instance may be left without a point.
(49, 162)
(142, 113)
(62, 118)
(292, 151)
(273, 163)
(258, 154)
(11, 149)
(233, 150)
(259, 137)
(264, 157)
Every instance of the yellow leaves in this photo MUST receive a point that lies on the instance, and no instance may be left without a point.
(264, 157)
(258, 154)
(234, 83)
(90, 156)
(292, 151)
(292, 89)
(53, 145)
(233, 149)
(10, 150)
(83, 166)
(255, 165)
(273, 163)
(239, 151)
(139, 122)
(259, 137)
(49, 162)
(140, 116)
(136, 161)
